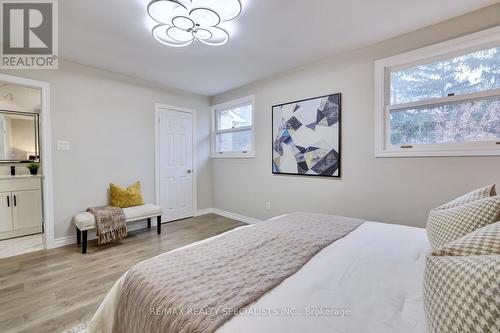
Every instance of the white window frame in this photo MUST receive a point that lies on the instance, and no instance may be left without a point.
(480, 40)
(214, 131)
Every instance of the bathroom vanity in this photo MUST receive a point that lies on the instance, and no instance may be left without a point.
(20, 205)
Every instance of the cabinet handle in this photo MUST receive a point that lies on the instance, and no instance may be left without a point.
(15, 201)
(8, 201)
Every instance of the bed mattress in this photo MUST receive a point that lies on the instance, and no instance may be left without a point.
(369, 281)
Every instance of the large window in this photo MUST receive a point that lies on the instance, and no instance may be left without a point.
(442, 100)
(232, 129)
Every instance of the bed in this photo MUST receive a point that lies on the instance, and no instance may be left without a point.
(368, 281)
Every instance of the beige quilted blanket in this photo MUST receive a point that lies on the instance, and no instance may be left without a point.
(199, 288)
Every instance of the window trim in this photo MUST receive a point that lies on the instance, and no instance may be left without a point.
(214, 131)
(444, 50)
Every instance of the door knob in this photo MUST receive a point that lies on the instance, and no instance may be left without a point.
(189, 171)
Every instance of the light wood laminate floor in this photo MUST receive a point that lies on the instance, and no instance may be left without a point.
(54, 290)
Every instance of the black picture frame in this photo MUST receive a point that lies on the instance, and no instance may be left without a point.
(339, 168)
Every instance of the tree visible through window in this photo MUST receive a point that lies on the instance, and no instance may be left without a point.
(453, 100)
(477, 120)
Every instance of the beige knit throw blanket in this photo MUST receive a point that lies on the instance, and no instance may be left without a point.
(110, 223)
(199, 288)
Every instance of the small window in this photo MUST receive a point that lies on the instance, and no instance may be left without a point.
(442, 100)
(233, 130)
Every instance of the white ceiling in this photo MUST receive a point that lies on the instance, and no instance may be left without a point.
(270, 36)
(19, 98)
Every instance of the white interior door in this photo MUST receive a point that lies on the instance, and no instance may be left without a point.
(175, 145)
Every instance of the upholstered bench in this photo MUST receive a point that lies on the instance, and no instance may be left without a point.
(86, 221)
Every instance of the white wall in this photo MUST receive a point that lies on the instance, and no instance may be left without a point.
(109, 120)
(395, 190)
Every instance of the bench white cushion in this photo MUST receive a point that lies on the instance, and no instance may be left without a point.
(86, 220)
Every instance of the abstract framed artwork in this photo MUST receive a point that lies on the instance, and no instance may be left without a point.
(307, 137)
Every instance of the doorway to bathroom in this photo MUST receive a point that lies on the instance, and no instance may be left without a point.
(23, 182)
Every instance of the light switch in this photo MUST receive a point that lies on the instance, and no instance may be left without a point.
(62, 145)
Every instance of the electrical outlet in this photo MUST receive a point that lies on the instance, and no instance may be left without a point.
(268, 205)
(62, 145)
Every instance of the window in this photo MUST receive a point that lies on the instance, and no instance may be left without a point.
(232, 129)
(443, 100)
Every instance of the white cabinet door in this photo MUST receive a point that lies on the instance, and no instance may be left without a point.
(5, 212)
(27, 210)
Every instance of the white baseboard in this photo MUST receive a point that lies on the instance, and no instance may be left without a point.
(68, 240)
(234, 216)
(131, 226)
(204, 211)
(63, 241)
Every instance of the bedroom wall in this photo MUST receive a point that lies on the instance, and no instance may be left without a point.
(109, 121)
(394, 190)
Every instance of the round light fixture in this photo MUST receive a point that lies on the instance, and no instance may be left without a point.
(160, 33)
(202, 34)
(204, 17)
(183, 21)
(219, 37)
(164, 11)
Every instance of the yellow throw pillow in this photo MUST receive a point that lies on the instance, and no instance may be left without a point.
(126, 197)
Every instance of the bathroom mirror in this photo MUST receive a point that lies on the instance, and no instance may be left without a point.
(18, 137)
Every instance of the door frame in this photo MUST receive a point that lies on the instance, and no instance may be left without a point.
(45, 156)
(159, 106)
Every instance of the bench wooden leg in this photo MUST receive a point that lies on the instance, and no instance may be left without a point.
(78, 236)
(158, 225)
(149, 223)
(84, 241)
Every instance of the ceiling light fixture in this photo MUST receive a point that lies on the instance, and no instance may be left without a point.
(183, 21)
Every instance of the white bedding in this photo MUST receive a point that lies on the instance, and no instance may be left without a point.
(374, 276)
